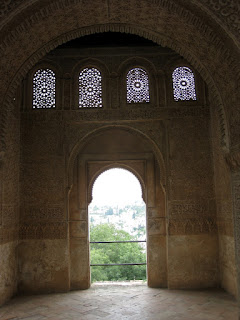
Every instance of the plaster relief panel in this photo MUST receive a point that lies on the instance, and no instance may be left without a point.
(45, 178)
(36, 213)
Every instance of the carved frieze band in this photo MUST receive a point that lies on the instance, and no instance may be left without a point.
(44, 231)
(37, 213)
(116, 115)
(192, 226)
(226, 11)
(190, 209)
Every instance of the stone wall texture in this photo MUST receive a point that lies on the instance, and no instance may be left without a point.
(43, 266)
(192, 156)
(9, 274)
(222, 178)
(9, 210)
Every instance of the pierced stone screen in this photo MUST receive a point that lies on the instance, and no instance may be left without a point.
(183, 84)
(137, 86)
(44, 91)
(90, 88)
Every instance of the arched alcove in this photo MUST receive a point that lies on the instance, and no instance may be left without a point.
(44, 223)
(102, 152)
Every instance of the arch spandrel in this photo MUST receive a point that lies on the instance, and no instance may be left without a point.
(85, 142)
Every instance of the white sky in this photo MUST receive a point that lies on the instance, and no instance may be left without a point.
(116, 186)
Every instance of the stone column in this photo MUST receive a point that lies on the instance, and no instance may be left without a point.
(156, 230)
(78, 225)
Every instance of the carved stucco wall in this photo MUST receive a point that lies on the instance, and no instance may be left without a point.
(163, 17)
(9, 210)
(222, 180)
(180, 132)
(225, 13)
(43, 214)
(212, 52)
(192, 240)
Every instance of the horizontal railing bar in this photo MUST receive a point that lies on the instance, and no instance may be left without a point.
(127, 241)
(117, 264)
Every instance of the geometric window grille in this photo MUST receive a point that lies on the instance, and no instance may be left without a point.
(183, 84)
(90, 88)
(137, 86)
(44, 91)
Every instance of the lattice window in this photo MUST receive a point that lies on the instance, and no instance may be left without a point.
(183, 84)
(90, 88)
(137, 86)
(44, 89)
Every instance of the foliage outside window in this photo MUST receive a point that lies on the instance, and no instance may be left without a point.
(115, 253)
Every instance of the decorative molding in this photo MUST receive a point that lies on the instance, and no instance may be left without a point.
(57, 230)
(188, 209)
(192, 226)
(104, 115)
(37, 213)
(9, 6)
(227, 12)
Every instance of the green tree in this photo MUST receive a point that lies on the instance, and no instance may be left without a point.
(115, 253)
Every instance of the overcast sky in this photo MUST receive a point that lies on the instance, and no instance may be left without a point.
(116, 186)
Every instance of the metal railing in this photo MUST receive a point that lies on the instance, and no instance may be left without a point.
(118, 264)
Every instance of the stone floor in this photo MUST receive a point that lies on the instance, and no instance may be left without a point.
(116, 301)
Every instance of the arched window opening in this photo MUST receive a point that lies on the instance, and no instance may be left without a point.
(90, 88)
(117, 219)
(137, 86)
(44, 89)
(183, 84)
